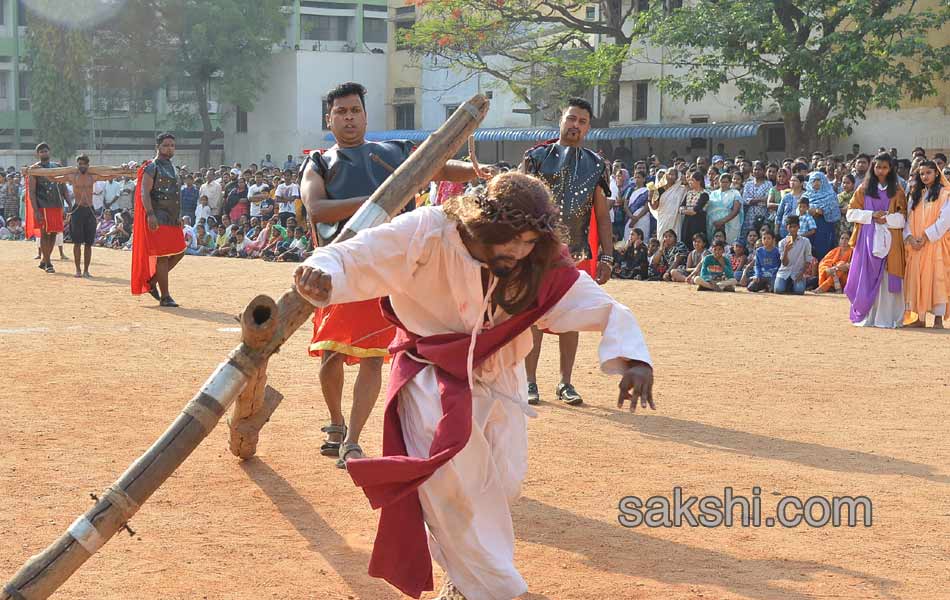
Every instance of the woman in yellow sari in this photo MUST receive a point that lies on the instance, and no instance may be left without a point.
(927, 241)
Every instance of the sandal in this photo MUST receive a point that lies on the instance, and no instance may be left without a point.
(153, 292)
(168, 301)
(345, 451)
(449, 592)
(567, 394)
(534, 396)
(329, 447)
(49, 268)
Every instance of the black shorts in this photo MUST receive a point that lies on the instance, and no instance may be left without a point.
(82, 226)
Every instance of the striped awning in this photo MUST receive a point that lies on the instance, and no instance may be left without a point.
(718, 131)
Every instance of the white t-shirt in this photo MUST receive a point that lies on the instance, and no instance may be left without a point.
(202, 212)
(252, 191)
(124, 199)
(287, 193)
(214, 192)
(98, 195)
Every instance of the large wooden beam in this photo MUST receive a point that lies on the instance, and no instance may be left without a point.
(266, 325)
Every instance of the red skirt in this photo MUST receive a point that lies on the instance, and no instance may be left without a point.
(167, 240)
(356, 330)
(52, 220)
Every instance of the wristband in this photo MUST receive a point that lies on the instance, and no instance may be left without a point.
(605, 258)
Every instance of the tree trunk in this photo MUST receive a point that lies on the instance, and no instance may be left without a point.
(208, 135)
(794, 142)
(610, 108)
(817, 112)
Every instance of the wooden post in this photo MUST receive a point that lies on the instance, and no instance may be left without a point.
(241, 379)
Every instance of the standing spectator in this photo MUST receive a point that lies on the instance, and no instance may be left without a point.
(203, 210)
(287, 195)
(10, 198)
(724, 211)
(795, 251)
(289, 164)
(694, 207)
(99, 196)
(862, 163)
(257, 192)
(638, 212)
(806, 223)
(789, 204)
(844, 199)
(213, 190)
(665, 201)
(237, 201)
(123, 201)
(267, 163)
(767, 262)
(619, 187)
(823, 207)
(755, 197)
(189, 198)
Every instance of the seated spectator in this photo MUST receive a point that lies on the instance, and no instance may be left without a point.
(204, 241)
(105, 225)
(807, 226)
(297, 248)
(121, 233)
(688, 272)
(238, 245)
(222, 242)
(633, 259)
(671, 254)
(12, 230)
(833, 268)
(767, 262)
(715, 272)
(739, 260)
(796, 252)
(254, 228)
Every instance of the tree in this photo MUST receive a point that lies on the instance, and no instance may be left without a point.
(57, 59)
(832, 59)
(544, 50)
(222, 43)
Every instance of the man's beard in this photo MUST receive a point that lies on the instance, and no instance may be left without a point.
(500, 270)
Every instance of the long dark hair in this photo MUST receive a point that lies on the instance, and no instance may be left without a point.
(871, 179)
(521, 194)
(919, 186)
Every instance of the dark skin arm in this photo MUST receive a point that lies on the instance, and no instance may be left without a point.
(147, 183)
(605, 233)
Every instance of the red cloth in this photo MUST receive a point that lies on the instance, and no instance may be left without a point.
(401, 551)
(52, 217)
(593, 240)
(147, 245)
(355, 329)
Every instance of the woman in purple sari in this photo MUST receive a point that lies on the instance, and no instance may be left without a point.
(878, 210)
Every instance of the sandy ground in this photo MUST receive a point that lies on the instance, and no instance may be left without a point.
(776, 392)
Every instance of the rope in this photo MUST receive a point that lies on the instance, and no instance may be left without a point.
(122, 501)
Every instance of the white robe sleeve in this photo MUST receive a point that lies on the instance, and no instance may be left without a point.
(377, 261)
(859, 215)
(941, 226)
(895, 221)
(587, 307)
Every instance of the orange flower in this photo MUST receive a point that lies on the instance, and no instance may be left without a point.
(457, 13)
(445, 40)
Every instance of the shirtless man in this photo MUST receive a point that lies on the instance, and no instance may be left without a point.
(82, 223)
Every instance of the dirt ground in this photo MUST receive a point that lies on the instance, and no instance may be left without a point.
(776, 392)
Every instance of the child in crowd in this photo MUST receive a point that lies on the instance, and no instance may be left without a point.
(739, 260)
(806, 222)
(844, 201)
(238, 245)
(670, 255)
(633, 260)
(767, 262)
(687, 273)
(203, 211)
(715, 273)
(796, 252)
(297, 248)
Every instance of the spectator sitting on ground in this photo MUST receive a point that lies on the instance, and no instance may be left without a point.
(671, 254)
(297, 248)
(796, 252)
(833, 268)
(633, 259)
(221, 241)
(738, 260)
(715, 272)
(204, 241)
(767, 261)
(105, 225)
(807, 226)
(12, 230)
(238, 245)
(121, 232)
(687, 273)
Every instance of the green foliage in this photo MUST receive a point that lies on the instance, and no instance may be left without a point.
(57, 59)
(544, 50)
(838, 57)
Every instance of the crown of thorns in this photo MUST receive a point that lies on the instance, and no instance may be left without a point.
(503, 214)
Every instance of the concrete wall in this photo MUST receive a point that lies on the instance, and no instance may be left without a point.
(111, 157)
(444, 87)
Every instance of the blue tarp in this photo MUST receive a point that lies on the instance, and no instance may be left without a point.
(717, 131)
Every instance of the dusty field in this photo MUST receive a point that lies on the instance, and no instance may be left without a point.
(775, 392)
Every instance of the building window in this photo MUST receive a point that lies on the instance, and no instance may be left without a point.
(21, 13)
(775, 139)
(643, 5)
(591, 13)
(4, 84)
(698, 143)
(3, 12)
(405, 116)
(325, 28)
(374, 31)
(330, 5)
(450, 110)
(641, 90)
(241, 120)
(24, 101)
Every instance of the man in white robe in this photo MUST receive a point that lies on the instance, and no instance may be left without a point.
(440, 279)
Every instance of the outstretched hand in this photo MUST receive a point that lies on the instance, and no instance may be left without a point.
(637, 386)
(313, 284)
